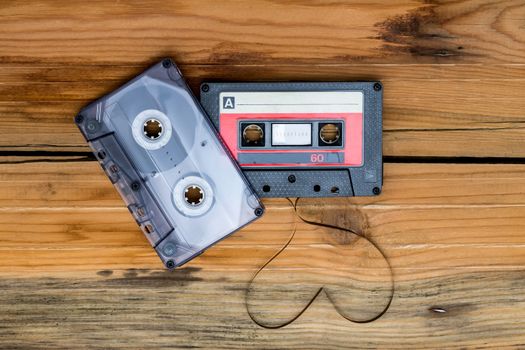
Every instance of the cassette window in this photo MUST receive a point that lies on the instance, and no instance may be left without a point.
(291, 134)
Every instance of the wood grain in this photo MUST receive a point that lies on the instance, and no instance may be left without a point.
(263, 32)
(75, 264)
(429, 111)
(452, 71)
(156, 309)
(426, 216)
(76, 272)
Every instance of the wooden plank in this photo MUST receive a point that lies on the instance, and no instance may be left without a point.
(463, 82)
(156, 309)
(51, 205)
(428, 110)
(69, 182)
(263, 32)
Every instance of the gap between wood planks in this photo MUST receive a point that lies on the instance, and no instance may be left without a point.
(70, 156)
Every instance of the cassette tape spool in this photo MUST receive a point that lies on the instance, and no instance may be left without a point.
(302, 139)
(168, 163)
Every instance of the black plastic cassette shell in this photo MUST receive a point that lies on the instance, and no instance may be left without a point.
(365, 180)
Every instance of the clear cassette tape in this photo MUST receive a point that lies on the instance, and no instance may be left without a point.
(168, 163)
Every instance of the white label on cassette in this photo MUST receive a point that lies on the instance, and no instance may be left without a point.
(291, 102)
(291, 134)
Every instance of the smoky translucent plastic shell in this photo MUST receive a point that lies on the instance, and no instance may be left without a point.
(151, 178)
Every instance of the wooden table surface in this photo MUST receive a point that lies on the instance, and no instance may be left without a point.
(76, 272)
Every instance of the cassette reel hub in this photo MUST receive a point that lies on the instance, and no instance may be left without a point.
(151, 129)
(329, 133)
(193, 196)
(253, 134)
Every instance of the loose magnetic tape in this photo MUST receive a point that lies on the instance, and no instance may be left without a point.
(317, 139)
(168, 163)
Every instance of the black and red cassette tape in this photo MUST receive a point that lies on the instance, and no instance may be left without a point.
(317, 139)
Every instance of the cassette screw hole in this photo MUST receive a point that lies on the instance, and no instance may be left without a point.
(377, 87)
(152, 129)
(166, 63)
(253, 134)
(101, 155)
(266, 188)
(291, 179)
(205, 88)
(193, 195)
(79, 119)
(330, 133)
(135, 186)
(376, 190)
(334, 189)
(258, 211)
(317, 188)
(170, 264)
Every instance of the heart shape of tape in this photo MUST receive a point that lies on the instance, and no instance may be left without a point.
(328, 252)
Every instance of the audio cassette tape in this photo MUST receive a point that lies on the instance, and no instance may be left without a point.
(166, 160)
(317, 139)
